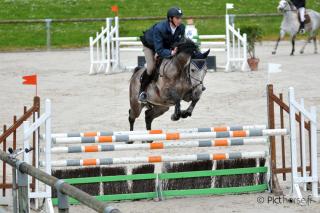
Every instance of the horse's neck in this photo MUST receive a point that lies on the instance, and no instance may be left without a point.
(290, 16)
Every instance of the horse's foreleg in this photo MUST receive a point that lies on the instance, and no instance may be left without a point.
(282, 33)
(188, 112)
(177, 112)
(293, 42)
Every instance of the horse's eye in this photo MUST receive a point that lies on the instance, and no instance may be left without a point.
(192, 70)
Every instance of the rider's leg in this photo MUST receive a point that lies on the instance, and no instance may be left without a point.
(302, 19)
(146, 76)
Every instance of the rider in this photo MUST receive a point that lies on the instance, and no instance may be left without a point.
(158, 41)
(300, 5)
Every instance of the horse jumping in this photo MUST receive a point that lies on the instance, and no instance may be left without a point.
(180, 78)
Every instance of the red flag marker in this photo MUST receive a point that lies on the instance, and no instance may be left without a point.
(31, 80)
(115, 9)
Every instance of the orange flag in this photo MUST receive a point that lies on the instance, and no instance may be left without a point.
(115, 9)
(30, 80)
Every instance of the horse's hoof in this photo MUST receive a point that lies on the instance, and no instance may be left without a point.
(291, 54)
(273, 52)
(175, 117)
(301, 52)
(316, 52)
(146, 141)
(185, 114)
(130, 142)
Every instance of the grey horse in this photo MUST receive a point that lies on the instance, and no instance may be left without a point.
(180, 78)
(290, 24)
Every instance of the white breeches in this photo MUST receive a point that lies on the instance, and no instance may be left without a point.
(302, 11)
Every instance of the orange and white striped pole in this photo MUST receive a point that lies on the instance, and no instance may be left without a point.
(172, 136)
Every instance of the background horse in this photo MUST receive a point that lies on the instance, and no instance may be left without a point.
(290, 24)
(180, 78)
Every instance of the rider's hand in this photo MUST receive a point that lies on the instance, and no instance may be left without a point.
(174, 51)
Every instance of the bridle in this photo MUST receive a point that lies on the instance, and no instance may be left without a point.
(188, 72)
(189, 76)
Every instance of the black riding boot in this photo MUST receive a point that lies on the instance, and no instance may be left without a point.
(145, 79)
(301, 29)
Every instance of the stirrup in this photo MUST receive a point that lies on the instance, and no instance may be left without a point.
(302, 31)
(143, 97)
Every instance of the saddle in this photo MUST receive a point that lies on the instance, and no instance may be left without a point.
(307, 18)
(156, 71)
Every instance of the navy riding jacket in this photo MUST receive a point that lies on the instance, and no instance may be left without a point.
(159, 38)
(299, 3)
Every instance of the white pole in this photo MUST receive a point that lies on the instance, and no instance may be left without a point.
(91, 56)
(98, 51)
(293, 145)
(36, 152)
(117, 43)
(238, 53)
(233, 45)
(113, 52)
(103, 48)
(26, 156)
(303, 147)
(227, 43)
(48, 142)
(108, 60)
(245, 52)
(314, 151)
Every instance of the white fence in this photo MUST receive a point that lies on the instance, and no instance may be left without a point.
(105, 48)
(305, 178)
(29, 129)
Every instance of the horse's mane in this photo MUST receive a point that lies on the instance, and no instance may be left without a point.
(292, 7)
(186, 46)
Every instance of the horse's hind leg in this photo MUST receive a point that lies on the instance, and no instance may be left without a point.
(134, 112)
(131, 119)
(305, 44)
(153, 113)
(315, 44)
(282, 34)
(293, 42)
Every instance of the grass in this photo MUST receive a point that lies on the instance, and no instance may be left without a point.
(65, 35)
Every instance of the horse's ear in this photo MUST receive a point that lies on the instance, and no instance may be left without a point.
(205, 54)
